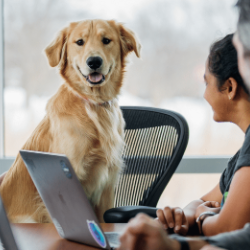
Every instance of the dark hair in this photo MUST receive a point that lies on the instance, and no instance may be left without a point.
(244, 24)
(223, 63)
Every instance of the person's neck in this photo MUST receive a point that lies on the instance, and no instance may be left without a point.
(241, 117)
(244, 125)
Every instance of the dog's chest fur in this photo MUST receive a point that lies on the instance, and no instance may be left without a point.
(109, 125)
(93, 142)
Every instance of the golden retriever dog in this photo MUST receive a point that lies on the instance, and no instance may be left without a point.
(83, 119)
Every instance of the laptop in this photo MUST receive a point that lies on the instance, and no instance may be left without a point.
(65, 200)
(7, 240)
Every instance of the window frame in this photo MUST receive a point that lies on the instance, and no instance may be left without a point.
(188, 165)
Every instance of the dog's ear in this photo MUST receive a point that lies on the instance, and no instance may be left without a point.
(56, 51)
(129, 41)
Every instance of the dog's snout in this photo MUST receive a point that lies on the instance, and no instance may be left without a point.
(94, 62)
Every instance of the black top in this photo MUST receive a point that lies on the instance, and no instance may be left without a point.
(240, 159)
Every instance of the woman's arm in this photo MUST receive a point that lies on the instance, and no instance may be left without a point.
(190, 209)
(189, 212)
(183, 220)
(214, 195)
(236, 210)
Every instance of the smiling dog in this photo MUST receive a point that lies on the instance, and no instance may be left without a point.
(83, 119)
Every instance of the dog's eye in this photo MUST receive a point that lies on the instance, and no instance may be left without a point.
(80, 42)
(106, 40)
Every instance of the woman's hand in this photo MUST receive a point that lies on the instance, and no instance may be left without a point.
(143, 233)
(212, 206)
(173, 218)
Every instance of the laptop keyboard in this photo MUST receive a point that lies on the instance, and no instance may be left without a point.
(113, 239)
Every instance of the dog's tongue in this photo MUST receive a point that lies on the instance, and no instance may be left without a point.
(95, 77)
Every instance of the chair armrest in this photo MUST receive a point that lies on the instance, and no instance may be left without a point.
(124, 214)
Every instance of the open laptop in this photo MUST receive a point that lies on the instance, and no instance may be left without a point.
(7, 240)
(65, 199)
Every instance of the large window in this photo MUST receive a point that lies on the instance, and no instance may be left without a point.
(175, 38)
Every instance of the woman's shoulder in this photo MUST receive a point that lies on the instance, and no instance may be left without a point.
(244, 154)
(240, 159)
(228, 173)
(246, 144)
(232, 162)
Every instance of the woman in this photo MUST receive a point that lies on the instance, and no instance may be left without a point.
(227, 95)
(227, 206)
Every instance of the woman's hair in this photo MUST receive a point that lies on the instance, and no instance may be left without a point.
(223, 62)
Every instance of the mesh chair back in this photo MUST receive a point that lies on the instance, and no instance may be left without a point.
(155, 140)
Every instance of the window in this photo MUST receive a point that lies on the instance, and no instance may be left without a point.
(175, 36)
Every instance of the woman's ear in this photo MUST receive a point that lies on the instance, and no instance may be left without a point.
(232, 87)
(56, 51)
(129, 41)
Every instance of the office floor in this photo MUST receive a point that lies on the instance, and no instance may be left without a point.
(184, 188)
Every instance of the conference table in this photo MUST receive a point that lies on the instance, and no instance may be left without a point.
(45, 237)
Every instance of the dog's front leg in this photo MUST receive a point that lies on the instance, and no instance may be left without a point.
(106, 202)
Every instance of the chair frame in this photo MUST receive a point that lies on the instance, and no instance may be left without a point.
(181, 145)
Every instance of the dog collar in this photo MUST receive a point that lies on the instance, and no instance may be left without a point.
(99, 103)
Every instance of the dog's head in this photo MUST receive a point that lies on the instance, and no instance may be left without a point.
(91, 57)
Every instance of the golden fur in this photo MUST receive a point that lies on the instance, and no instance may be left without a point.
(83, 120)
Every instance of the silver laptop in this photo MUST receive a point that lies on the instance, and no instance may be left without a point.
(7, 240)
(65, 199)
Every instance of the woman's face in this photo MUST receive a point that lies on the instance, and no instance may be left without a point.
(217, 99)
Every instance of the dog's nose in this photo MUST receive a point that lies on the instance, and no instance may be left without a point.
(94, 62)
